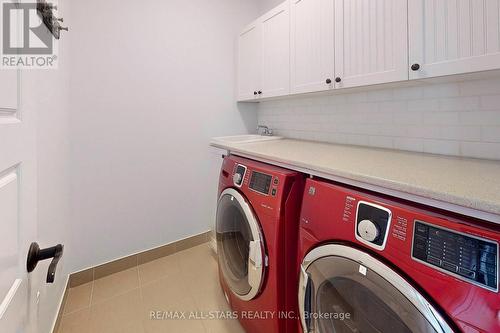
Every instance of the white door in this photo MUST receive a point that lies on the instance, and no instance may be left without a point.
(17, 208)
(276, 51)
(371, 42)
(311, 45)
(352, 281)
(240, 245)
(453, 36)
(249, 62)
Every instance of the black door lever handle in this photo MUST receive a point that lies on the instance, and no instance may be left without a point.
(35, 254)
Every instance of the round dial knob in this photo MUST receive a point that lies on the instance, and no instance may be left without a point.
(415, 67)
(368, 230)
(237, 178)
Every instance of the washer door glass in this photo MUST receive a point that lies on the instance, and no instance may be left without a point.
(239, 245)
(345, 297)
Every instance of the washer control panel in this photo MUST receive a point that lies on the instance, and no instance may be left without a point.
(467, 257)
(372, 224)
(256, 181)
(260, 182)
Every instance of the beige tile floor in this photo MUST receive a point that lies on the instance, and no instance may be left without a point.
(186, 282)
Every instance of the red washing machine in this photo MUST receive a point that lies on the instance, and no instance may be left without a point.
(371, 263)
(257, 237)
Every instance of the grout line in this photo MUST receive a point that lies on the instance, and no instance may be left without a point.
(89, 305)
(114, 296)
(175, 244)
(91, 293)
(75, 311)
(203, 237)
(140, 284)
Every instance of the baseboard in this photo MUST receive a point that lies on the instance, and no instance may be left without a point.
(114, 266)
(121, 264)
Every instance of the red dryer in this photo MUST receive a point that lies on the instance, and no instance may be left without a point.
(257, 237)
(372, 263)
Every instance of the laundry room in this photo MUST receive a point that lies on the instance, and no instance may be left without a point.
(249, 166)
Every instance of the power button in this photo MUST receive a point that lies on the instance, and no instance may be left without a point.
(273, 192)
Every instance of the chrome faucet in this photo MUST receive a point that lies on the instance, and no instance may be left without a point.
(265, 130)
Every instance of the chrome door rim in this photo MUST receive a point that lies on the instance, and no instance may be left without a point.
(258, 269)
(337, 250)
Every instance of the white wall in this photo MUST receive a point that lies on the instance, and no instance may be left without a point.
(151, 83)
(461, 119)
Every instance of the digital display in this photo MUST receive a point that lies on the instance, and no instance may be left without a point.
(470, 258)
(260, 182)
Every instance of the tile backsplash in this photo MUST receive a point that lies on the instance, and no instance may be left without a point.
(459, 118)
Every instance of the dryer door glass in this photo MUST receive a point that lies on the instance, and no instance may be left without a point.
(238, 245)
(347, 297)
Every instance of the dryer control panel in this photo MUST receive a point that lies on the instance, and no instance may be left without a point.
(467, 257)
(266, 187)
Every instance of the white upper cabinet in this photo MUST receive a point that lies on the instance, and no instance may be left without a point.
(371, 42)
(249, 61)
(312, 45)
(453, 36)
(305, 46)
(276, 52)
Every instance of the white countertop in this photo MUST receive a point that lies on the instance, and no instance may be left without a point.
(464, 185)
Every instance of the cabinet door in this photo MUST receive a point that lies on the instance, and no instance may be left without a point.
(371, 42)
(312, 45)
(249, 62)
(453, 36)
(276, 51)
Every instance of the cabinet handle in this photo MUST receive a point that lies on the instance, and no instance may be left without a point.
(338, 79)
(328, 81)
(415, 67)
(260, 92)
(255, 93)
